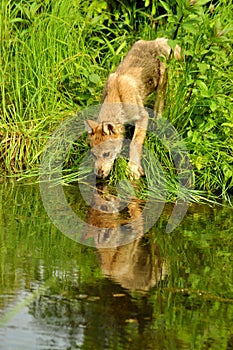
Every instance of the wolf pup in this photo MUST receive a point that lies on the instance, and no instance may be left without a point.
(138, 75)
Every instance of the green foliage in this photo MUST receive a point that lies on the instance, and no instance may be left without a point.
(55, 58)
(203, 97)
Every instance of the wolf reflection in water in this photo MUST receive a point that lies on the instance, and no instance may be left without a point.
(136, 265)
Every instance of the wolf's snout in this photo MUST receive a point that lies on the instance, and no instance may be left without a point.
(99, 173)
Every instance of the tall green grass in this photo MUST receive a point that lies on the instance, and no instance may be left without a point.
(55, 58)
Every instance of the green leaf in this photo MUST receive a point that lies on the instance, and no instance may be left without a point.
(153, 10)
(199, 162)
(97, 39)
(213, 106)
(94, 78)
(172, 43)
(201, 2)
(230, 125)
(120, 48)
(189, 27)
(203, 67)
(203, 88)
(165, 6)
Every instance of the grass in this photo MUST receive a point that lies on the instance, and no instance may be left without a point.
(55, 58)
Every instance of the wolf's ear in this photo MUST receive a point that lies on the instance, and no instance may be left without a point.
(111, 128)
(90, 125)
(108, 128)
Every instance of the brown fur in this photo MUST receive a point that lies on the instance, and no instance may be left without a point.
(139, 74)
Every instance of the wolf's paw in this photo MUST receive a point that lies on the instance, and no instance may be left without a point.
(135, 171)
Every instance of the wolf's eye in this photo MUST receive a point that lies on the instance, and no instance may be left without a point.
(106, 154)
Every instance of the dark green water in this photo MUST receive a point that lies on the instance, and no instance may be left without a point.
(163, 291)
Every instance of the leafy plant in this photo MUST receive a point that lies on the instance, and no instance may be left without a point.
(55, 58)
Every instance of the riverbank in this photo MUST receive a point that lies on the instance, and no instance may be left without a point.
(56, 58)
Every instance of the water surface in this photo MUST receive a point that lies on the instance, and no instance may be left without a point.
(161, 291)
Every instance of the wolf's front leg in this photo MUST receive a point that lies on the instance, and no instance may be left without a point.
(135, 153)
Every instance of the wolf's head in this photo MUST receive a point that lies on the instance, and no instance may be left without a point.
(106, 140)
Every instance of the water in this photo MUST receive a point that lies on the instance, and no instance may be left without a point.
(161, 291)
